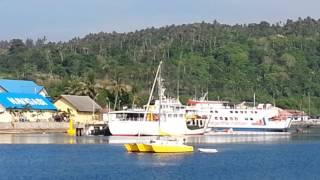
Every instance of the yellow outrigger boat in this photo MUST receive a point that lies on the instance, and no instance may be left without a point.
(159, 146)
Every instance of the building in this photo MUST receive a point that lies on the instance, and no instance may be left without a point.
(21, 87)
(24, 101)
(82, 109)
(16, 107)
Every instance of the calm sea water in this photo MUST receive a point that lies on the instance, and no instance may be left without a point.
(294, 156)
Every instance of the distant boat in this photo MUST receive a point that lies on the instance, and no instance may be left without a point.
(207, 150)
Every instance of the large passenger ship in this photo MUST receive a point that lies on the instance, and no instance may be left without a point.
(228, 117)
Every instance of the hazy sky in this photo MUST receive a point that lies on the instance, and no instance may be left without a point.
(65, 19)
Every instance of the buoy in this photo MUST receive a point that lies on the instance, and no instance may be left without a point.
(71, 131)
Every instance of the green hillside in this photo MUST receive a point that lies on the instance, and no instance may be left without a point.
(278, 62)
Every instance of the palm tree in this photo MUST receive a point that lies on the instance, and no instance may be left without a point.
(118, 89)
(83, 87)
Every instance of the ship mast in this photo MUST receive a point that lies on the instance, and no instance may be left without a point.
(152, 89)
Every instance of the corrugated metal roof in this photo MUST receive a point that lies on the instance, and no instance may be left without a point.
(25, 101)
(20, 86)
(82, 103)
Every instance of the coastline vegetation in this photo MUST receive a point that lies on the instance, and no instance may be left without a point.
(279, 62)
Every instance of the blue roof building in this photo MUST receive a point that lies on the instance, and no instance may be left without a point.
(21, 86)
(25, 101)
(22, 101)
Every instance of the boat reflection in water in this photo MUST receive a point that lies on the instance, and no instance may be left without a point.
(214, 139)
(250, 138)
(193, 139)
(159, 159)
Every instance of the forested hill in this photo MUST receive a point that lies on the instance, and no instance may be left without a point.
(278, 62)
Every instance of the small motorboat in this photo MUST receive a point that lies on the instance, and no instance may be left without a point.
(206, 150)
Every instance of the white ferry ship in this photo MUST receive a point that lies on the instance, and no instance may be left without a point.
(165, 117)
(172, 120)
(226, 117)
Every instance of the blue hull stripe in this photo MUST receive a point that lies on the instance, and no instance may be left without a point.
(251, 129)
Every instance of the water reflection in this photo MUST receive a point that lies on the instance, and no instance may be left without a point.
(159, 159)
(50, 139)
(203, 139)
(237, 138)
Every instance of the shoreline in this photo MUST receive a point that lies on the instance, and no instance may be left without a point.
(33, 127)
(62, 127)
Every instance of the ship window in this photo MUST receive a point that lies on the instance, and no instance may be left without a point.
(175, 115)
(245, 112)
(236, 118)
(246, 119)
(181, 115)
(241, 112)
(221, 118)
(231, 118)
(169, 115)
(216, 118)
(236, 111)
(216, 111)
(211, 111)
(252, 112)
(231, 111)
(251, 119)
(255, 112)
(226, 118)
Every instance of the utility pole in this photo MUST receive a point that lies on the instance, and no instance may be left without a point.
(309, 103)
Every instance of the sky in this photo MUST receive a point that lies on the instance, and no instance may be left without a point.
(62, 20)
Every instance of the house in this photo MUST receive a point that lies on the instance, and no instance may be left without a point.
(21, 87)
(82, 109)
(19, 107)
(22, 100)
